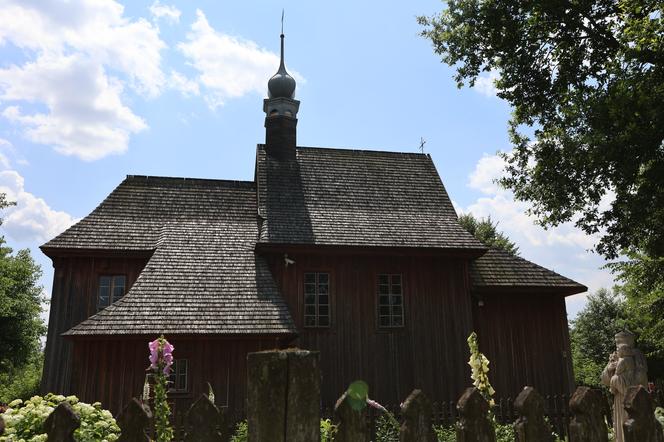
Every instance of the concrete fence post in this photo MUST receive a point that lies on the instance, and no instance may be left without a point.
(474, 424)
(351, 424)
(134, 421)
(587, 406)
(641, 424)
(283, 396)
(416, 424)
(531, 425)
(61, 424)
(203, 421)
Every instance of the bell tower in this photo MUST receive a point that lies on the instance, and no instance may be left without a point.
(281, 113)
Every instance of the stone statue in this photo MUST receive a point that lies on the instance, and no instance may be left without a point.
(627, 367)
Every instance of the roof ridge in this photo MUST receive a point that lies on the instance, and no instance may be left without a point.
(147, 178)
(350, 149)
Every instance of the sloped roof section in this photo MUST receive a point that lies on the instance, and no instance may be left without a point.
(499, 269)
(357, 198)
(203, 277)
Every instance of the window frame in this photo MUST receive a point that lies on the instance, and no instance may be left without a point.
(389, 294)
(172, 387)
(111, 289)
(303, 294)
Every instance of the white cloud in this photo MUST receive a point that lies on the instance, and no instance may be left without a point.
(80, 56)
(228, 66)
(31, 219)
(565, 248)
(86, 116)
(167, 12)
(485, 84)
(183, 84)
(483, 178)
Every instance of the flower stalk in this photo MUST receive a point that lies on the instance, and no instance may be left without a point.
(161, 360)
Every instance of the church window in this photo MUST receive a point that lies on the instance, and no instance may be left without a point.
(111, 288)
(178, 377)
(316, 299)
(390, 300)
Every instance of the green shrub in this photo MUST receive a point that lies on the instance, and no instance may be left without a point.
(241, 431)
(328, 430)
(386, 429)
(504, 433)
(445, 434)
(24, 420)
(23, 382)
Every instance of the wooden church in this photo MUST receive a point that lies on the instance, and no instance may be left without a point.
(357, 254)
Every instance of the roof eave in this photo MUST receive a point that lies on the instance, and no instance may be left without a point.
(460, 252)
(63, 252)
(523, 289)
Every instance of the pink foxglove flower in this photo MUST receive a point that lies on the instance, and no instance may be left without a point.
(154, 353)
(161, 353)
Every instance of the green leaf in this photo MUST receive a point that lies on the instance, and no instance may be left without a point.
(357, 395)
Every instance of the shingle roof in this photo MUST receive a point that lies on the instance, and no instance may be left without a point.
(203, 276)
(357, 198)
(499, 269)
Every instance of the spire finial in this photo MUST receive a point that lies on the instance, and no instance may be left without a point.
(282, 66)
(281, 85)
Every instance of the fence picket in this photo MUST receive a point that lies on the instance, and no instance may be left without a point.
(61, 423)
(531, 425)
(474, 424)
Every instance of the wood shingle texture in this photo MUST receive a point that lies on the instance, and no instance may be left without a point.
(363, 198)
(497, 269)
(203, 276)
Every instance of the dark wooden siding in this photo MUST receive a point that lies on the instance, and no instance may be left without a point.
(526, 339)
(73, 299)
(112, 371)
(429, 352)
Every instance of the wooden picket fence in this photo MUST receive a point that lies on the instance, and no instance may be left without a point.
(283, 405)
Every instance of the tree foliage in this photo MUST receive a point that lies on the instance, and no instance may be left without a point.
(486, 231)
(592, 335)
(585, 80)
(21, 326)
(642, 285)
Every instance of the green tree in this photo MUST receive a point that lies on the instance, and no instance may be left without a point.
(642, 279)
(592, 335)
(21, 326)
(585, 80)
(486, 231)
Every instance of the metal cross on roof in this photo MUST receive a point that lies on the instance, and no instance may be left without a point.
(422, 143)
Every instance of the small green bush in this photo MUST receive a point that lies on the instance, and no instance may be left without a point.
(241, 432)
(24, 420)
(445, 434)
(386, 430)
(328, 430)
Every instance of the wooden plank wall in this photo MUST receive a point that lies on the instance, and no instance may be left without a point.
(526, 339)
(73, 299)
(113, 371)
(429, 352)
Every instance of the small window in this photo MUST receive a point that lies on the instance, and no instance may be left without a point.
(316, 299)
(111, 288)
(178, 378)
(390, 301)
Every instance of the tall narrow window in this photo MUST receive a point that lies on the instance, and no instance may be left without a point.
(390, 300)
(178, 377)
(316, 299)
(111, 288)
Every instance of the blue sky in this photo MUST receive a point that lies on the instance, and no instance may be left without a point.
(91, 91)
